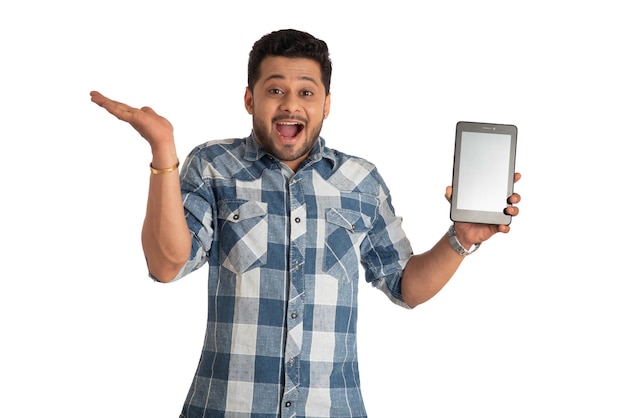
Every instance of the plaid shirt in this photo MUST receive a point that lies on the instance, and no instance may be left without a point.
(283, 251)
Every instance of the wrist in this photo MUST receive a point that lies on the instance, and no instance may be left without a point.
(162, 159)
(164, 150)
(462, 248)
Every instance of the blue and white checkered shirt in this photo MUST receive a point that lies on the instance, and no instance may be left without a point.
(283, 251)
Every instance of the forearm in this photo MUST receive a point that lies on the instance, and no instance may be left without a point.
(427, 273)
(165, 236)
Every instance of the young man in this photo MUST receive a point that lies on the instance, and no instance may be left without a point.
(283, 222)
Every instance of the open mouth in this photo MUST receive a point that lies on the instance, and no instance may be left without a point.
(288, 129)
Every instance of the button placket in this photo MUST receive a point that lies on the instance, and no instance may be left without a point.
(295, 306)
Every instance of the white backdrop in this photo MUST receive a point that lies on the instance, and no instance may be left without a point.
(531, 326)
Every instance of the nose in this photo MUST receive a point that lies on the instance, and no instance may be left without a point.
(290, 103)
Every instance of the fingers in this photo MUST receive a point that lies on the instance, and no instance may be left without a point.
(97, 98)
(504, 229)
(512, 210)
(448, 194)
(516, 177)
(108, 104)
(118, 109)
(111, 106)
(514, 199)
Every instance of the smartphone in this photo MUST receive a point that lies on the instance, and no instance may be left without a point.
(483, 172)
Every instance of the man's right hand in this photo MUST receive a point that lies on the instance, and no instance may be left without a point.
(157, 130)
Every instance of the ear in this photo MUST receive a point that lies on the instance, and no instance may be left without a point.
(326, 105)
(248, 100)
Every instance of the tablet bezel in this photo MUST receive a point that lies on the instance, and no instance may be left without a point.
(474, 215)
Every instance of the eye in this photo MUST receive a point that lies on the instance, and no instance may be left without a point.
(274, 91)
(307, 93)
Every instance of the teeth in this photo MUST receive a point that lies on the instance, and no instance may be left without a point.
(289, 123)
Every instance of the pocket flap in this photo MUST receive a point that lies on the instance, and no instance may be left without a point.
(239, 210)
(349, 219)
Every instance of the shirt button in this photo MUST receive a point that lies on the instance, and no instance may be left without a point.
(288, 404)
(297, 220)
(294, 315)
(235, 217)
(291, 361)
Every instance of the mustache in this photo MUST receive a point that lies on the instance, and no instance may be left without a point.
(290, 117)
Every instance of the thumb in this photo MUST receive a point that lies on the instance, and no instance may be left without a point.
(149, 110)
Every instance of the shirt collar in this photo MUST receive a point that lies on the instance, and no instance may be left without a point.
(254, 152)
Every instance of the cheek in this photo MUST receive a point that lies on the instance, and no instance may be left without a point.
(259, 114)
(316, 113)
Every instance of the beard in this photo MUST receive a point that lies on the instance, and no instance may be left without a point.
(282, 152)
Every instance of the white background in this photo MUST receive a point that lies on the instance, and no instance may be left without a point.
(531, 326)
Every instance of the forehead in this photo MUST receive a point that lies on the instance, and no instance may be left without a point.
(305, 69)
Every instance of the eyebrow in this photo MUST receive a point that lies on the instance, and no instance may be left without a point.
(282, 77)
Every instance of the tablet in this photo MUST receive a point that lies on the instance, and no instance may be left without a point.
(483, 173)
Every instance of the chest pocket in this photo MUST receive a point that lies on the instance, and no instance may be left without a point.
(243, 229)
(345, 230)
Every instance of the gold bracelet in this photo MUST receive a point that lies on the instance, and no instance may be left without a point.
(164, 170)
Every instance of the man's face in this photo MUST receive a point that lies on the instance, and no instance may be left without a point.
(288, 105)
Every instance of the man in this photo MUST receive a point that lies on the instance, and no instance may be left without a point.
(283, 222)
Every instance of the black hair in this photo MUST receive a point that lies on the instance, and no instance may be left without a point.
(289, 43)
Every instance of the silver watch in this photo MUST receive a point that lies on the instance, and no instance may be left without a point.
(454, 242)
